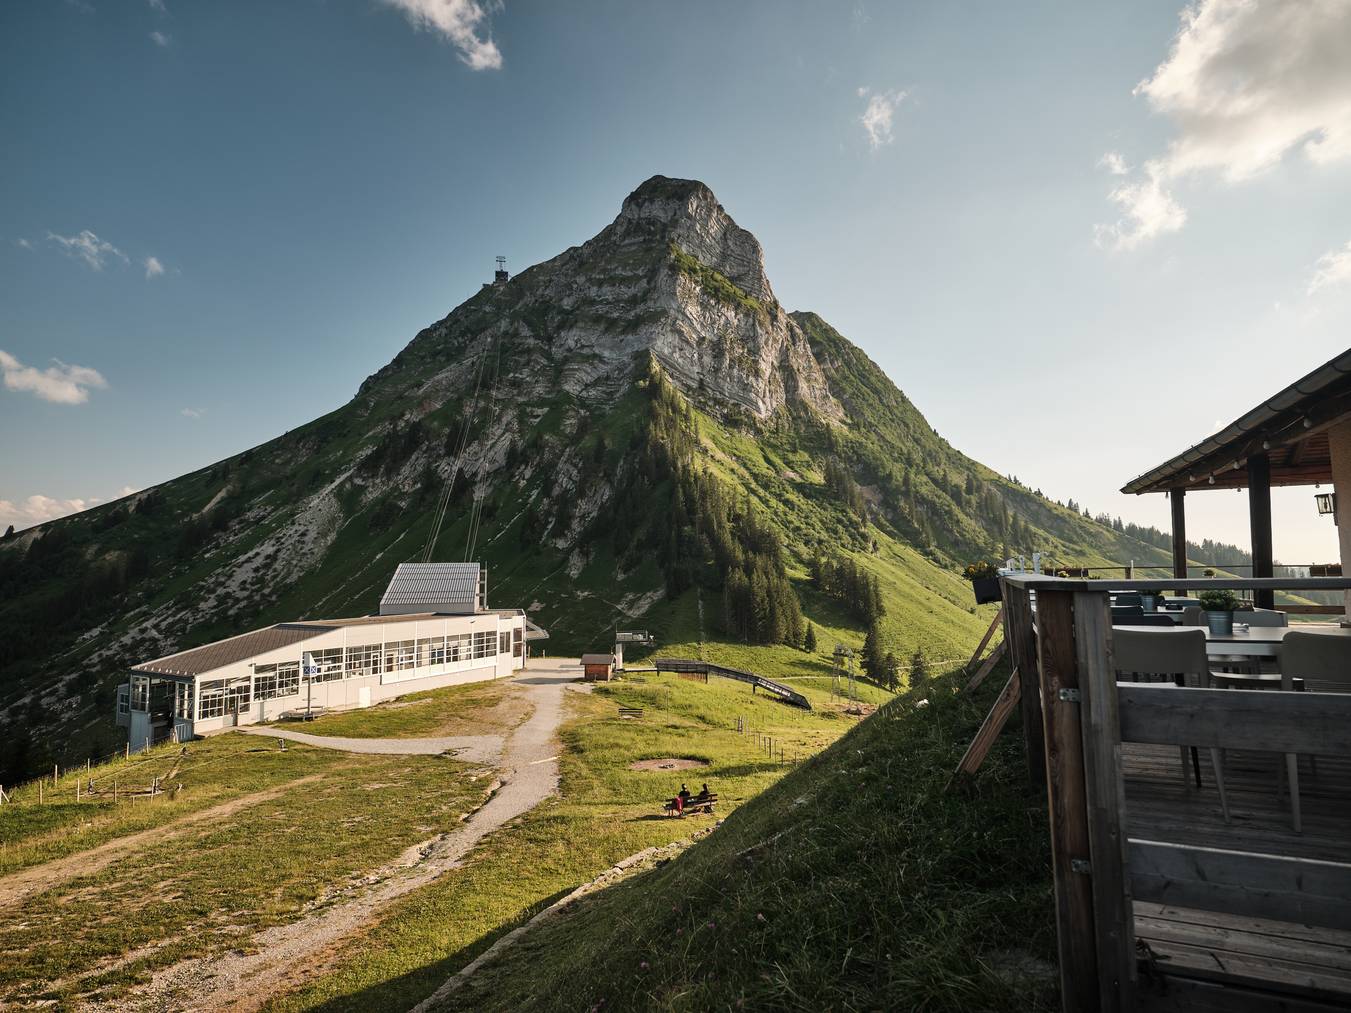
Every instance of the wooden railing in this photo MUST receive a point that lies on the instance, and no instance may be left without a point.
(684, 666)
(1075, 718)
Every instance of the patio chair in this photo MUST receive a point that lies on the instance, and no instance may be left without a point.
(1149, 619)
(1324, 663)
(1180, 657)
(1193, 615)
(1126, 615)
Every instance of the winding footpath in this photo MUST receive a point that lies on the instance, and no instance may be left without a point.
(473, 748)
(283, 957)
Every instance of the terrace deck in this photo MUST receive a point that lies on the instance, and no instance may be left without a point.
(1265, 964)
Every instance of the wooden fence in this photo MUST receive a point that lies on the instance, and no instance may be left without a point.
(1075, 719)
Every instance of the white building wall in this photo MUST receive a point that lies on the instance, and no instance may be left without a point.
(363, 690)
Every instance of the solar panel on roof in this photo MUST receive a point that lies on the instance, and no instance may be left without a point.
(433, 587)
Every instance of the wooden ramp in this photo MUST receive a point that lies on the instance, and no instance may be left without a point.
(685, 665)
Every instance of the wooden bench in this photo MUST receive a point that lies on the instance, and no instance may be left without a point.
(693, 804)
(630, 712)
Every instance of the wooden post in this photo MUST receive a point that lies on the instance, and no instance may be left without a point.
(1176, 500)
(1020, 637)
(1066, 802)
(989, 730)
(1105, 797)
(980, 648)
(1259, 516)
(39, 791)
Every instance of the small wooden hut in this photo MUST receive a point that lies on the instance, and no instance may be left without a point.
(598, 667)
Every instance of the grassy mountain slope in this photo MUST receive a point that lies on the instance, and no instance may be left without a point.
(855, 882)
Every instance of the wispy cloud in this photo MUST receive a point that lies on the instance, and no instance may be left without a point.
(1114, 163)
(23, 243)
(1333, 268)
(60, 383)
(157, 5)
(878, 115)
(39, 509)
(459, 22)
(193, 413)
(88, 247)
(1245, 84)
(161, 39)
(153, 268)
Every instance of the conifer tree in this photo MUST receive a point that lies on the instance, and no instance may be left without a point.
(809, 640)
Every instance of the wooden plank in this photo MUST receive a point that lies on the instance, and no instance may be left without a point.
(994, 625)
(989, 730)
(1322, 948)
(1314, 610)
(1105, 798)
(1313, 723)
(1183, 995)
(1066, 802)
(1022, 645)
(1302, 890)
(988, 665)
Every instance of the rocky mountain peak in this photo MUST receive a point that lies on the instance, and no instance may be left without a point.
(686, 212)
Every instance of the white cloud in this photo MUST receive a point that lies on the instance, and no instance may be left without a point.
(458, 22)
(877, 116)
(1333, 268)
(88, 247)
(23, 243)
(1246, 83)
(1114, 163)
(60, 383)
(193, 413)
(161, 39)
(157, 5)
(38, 509)
(153, 268)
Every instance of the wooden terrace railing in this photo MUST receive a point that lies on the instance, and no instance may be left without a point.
(1075, 719)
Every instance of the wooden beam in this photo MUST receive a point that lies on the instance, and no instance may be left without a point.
(1022, 644)
(1259, 516)
(1315, 723)
(994, 625)
(1105, 798)
(1066, 803)
(985, 669)
(989, 730)
(1177, 500)
(1301, 890)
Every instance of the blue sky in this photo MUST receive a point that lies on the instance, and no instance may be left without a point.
(977, 194)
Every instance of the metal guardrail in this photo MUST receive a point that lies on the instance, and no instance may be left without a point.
(768, 685)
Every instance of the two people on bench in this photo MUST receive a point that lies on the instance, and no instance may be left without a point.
(684, 798)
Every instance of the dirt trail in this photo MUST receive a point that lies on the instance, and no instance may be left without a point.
(18, 885)
(283, 957)
(472, 748)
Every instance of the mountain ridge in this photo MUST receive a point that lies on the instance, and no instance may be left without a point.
(625, 425)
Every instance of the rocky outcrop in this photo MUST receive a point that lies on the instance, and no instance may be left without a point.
(673, 274)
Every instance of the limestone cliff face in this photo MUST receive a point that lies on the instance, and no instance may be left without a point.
(673, 274)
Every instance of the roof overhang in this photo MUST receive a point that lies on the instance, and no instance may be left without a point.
(1291, 428)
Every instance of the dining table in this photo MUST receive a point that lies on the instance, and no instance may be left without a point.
(1253, 641)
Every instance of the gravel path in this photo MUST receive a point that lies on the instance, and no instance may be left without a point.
(284, 957)
(474, 748)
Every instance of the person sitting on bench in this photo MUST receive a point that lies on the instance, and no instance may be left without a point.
(703, 794)
(684, 794)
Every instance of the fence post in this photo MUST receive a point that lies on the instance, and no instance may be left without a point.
(1018, 634)
(1113, 915)
(1066, 802)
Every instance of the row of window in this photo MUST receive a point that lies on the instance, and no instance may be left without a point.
(218, 697)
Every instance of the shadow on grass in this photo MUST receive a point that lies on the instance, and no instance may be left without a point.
(407, 990)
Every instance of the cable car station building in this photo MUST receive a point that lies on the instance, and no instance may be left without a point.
(433, 630)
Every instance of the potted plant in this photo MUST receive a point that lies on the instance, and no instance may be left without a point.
(1219, 607)
(1151, 600)
(984, 579)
